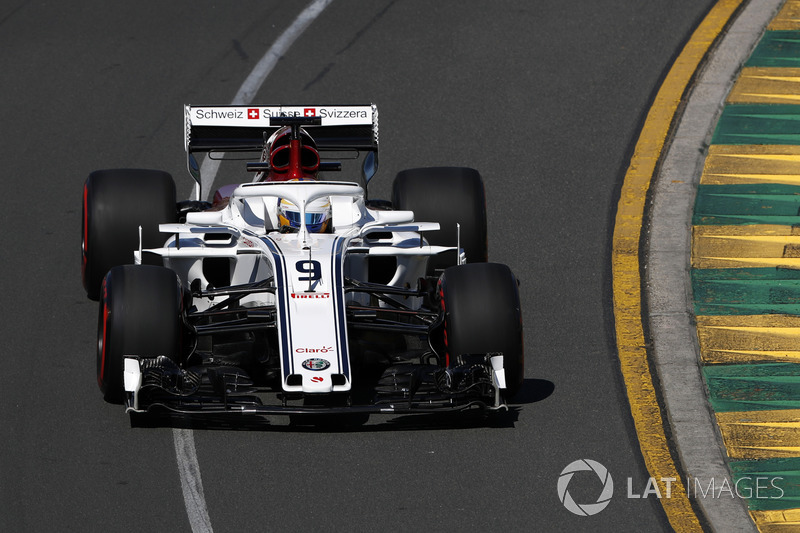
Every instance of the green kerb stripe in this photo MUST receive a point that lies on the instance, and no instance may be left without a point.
(777, 49)
(744, 274)
(753, 387)
(758, 124)
(758, 203)
(766, 497)
(746, 291)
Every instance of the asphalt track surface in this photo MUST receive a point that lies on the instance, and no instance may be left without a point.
(546, 99)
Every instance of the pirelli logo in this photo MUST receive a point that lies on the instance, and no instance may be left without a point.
(311, 295)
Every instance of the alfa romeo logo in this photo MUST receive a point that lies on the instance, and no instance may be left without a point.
(585, 509)
(316, 363)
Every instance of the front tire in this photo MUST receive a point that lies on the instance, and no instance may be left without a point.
(482, 314)
(449, 196)
(115, 204)
(140, 314)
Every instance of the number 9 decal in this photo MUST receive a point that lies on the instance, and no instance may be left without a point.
(313, 268)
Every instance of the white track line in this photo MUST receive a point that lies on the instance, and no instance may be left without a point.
(248, 90)
(191, 484)
(185, 452)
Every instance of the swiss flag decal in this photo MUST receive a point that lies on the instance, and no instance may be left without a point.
(252, 113)
(310, 112)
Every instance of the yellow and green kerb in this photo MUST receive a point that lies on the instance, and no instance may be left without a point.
(746, 272)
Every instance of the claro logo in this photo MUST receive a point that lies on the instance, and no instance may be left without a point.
(314, 350)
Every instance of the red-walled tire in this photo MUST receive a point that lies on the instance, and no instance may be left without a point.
(482, 314)
(140, 314)
(447, 195)
(115, 204)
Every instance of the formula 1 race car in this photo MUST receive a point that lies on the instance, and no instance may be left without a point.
(292, 294)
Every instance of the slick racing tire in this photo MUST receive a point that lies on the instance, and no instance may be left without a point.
(115, 204)
(447, 195)
(140, 314)
(482, 314)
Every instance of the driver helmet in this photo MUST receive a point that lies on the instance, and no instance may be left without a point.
(277, 151)
(318, 215)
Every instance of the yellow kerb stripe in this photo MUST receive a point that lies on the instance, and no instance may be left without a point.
(763, 85)
(788, 18)
(625, 265)
(761, 434)
(752, 163)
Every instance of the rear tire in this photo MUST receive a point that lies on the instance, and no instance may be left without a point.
(115, 204)
(447, 195)
(140, 314)
(482, 314)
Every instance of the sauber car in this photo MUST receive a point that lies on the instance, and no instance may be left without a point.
(290, 293)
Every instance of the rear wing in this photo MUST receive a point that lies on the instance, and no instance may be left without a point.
(244, 128)
(238, 128)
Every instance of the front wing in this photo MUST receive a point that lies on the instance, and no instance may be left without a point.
(155, 384)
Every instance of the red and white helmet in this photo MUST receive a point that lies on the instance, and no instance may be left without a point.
(288, 159)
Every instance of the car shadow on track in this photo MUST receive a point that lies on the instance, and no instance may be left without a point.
(532, 391)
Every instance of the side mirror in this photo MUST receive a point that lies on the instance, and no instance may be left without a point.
(370, 166)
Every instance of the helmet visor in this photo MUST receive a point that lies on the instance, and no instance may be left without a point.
(314, 221)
